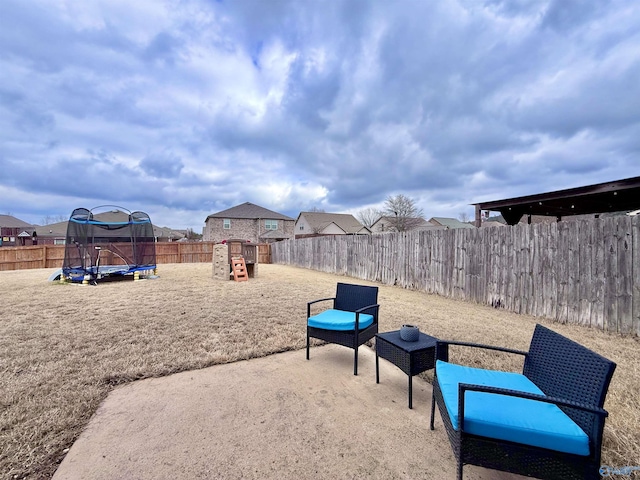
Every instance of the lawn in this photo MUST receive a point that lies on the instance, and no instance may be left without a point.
(64, 347)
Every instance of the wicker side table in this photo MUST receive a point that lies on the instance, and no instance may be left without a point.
(410, 357)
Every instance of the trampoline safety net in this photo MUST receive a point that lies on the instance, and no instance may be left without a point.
(108, 244)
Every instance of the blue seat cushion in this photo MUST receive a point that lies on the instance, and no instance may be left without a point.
(339, 320)
(509, 418)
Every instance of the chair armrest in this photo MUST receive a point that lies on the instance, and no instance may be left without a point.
(364, 310)
(316, 301)
(560, 402)
(369, 307)
(442, 349)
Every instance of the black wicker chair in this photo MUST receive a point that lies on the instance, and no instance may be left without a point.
(351, 322)
(570, 376)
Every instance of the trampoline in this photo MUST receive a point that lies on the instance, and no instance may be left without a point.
(113, 243)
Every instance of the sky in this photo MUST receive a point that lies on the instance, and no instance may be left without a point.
(184, 108)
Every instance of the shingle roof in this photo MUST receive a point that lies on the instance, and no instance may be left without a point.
(319, 220)
(52, 230)
(450, 222)
(12, 222)
(274, 234)
(166, 232)
(249, 210)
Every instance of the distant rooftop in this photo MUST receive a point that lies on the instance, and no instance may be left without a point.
(250, 211)
(450, 223)
(10, 221)
(320, 220)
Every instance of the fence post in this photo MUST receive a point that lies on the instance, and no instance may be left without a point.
(44, 256)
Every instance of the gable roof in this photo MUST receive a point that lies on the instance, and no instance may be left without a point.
(450, 223)
(10, 221)
(250, 211)
(318, 221)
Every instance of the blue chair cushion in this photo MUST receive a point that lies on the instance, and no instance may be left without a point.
(339, 320)
(509, 418)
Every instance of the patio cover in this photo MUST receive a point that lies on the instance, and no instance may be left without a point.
(616, 196)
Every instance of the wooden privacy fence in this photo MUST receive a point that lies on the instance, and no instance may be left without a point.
(52, 256)
(584, 272)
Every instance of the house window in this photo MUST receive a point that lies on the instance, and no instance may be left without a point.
(271, 224)
(226, 223)
(301, 227)
(58, 241)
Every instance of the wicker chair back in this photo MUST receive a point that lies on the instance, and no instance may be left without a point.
(565, 369)
(351, 297)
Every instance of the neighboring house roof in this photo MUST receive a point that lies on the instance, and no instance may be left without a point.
(274, 234)
(166, 232)
(318, 221)
(250, 211)
(9, 221)
(450, 223)
(417, 223)
(112, 216)
(52, 230)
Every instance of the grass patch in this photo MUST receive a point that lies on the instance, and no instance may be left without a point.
(63, 348)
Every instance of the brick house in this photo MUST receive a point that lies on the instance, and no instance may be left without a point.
(52, 234)
(248, 222)
(15, 232)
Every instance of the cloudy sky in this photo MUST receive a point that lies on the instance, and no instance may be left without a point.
(183, 108)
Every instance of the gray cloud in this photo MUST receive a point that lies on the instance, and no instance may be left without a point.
(162, 165)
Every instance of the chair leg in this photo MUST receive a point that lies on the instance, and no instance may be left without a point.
(460, 467)
(307, 345)
(433, 408)
(355, 362)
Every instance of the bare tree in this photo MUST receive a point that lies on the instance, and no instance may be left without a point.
(193, 236)
(368, 216)
(49, 219)
(317, 210)
(463, 217)
(402, 212)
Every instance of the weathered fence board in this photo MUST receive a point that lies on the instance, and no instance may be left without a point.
(635, 276)
(584, 272)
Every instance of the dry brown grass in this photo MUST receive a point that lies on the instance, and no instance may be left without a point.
(64, 347)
